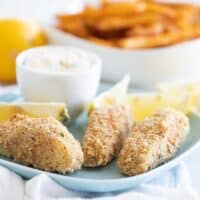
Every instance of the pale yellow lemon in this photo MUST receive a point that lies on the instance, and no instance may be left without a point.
(184, 96)
(15, 36)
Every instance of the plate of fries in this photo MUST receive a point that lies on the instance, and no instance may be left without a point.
(136, 36)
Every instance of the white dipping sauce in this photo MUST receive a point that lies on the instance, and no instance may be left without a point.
(60, 59)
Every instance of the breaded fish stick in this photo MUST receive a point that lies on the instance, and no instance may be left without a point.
(43, 143)
(153, 141)
(105, 134)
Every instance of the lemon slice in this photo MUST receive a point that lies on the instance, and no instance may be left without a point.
(57, 110)
(115, 95)
(183, 96)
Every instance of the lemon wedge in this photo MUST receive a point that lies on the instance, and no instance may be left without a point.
(57, 110)
(184, 96)
(145, 104)
(115, 95)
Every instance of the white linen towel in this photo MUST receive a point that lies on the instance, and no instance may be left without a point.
(172, 185)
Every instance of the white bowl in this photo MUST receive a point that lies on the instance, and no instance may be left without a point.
(75, 89)
(148, 67)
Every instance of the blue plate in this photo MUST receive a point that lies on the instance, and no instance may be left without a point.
(107, 179)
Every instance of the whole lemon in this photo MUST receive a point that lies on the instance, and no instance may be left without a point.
(15, 36)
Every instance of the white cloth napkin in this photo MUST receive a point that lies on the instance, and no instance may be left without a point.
(173, 185)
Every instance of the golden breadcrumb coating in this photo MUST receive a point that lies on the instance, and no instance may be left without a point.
(153, 141)
(105, 134)
(43, 143)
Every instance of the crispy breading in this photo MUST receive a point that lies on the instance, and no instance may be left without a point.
(153, 141)
(43, 143)
(105, 134)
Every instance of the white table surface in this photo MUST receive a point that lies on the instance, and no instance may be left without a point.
(43, 10)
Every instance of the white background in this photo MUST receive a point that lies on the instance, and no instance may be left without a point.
(44, 10)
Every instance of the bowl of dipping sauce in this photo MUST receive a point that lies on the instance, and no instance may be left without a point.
(59, 74)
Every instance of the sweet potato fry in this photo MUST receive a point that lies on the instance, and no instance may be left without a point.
(164, 39)
(118, 23)
(74, 27)
(146, 30)
(123, 8)
(163, 9)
